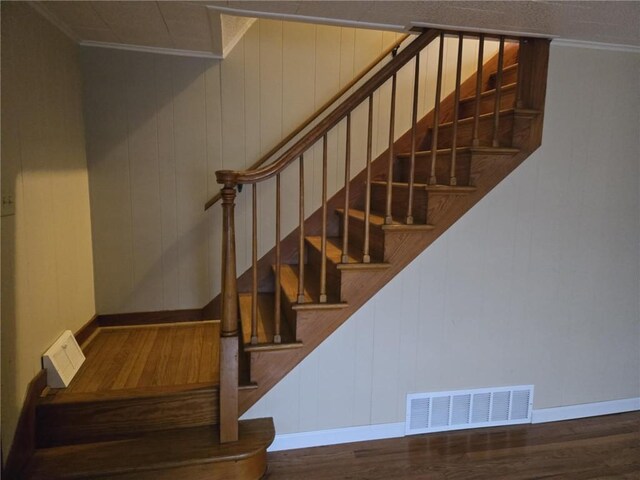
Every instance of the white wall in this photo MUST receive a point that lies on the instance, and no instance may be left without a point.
(536, 284)
(47, 266)
(158, 127)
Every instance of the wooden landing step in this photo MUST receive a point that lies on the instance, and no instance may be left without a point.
(136, 379)
(194, 453)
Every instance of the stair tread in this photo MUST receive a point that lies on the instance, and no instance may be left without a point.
(378, 221)
(508, 68)
(488, 93)
(265, 324)
(150, 451)
(430, 188)
(334, 255)
(289, 283)
(482, 150)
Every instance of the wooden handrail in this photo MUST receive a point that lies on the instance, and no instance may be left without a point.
(234, 177)
(393, 47)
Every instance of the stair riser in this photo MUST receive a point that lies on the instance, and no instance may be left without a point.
(487, 103)
(356, 239)
(314, 260)
(399, 202)
(439, 203)
(443, 169)
(509, 75)
(485, 133)
(62, 424)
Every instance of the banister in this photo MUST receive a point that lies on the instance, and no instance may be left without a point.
(392, 48)
(235, 177)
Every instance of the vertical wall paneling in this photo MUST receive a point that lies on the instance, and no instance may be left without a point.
(47, 264)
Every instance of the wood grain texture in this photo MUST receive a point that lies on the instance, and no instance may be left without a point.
(24, 439)
(184, 453)
(397, 244)
(121, 358)
(599, 447)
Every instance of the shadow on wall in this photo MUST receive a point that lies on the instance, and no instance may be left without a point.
(152, 154)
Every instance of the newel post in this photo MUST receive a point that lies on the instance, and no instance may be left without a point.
(229, 326)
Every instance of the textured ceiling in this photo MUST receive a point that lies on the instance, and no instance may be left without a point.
(183, 26)
(191, 26)
(593, 21)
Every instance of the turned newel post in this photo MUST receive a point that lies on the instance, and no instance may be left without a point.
(229, 326)
(229, 286)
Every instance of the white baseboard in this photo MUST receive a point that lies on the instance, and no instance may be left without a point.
(584, 410)
(291, 441)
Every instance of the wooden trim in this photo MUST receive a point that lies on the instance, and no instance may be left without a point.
(146, 318)
(24, 439)
(87, 330)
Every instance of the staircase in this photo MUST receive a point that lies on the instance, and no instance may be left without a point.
(314, 278)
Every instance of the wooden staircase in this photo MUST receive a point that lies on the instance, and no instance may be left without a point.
(315, 278)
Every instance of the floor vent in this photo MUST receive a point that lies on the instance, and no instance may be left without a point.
(485, 407)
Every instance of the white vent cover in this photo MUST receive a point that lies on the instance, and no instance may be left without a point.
(485, 407)
(63, 360)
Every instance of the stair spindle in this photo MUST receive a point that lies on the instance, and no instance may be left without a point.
(496, 109)
(254, 266)
(436, 114)
(323, 242)
(388, 218)
(276, 337)
(301, 240)
(521, 46)
(476, 117)
(366, 258)
(456, 106)
(414, 123)
(347, 181)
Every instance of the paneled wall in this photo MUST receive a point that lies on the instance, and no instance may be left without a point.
(537, 284)
(158, 127)
(47, 267)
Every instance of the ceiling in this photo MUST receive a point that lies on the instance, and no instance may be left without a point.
(593, 21)
(211, 28)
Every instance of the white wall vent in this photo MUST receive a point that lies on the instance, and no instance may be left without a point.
(63, 360)
(485, 407)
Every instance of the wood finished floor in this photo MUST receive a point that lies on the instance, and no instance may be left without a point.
(599, 447)
(145, 357)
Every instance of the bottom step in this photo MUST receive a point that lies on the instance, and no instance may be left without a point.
(194, 453)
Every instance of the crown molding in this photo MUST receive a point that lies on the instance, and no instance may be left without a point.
(145, 49)
(615, 47)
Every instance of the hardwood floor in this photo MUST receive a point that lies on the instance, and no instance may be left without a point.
(123, 358)
(598, 447)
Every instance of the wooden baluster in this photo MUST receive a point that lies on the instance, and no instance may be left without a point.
(519, 83)
(323, 241)
(476, 118)
(276, 336)
(366, 258)
(347, 183)
(301, 244)
(414, 122)
(456, 105)
(388, 218)
(229, 342)
(436, 115)
(496, 109)
(254, 266)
